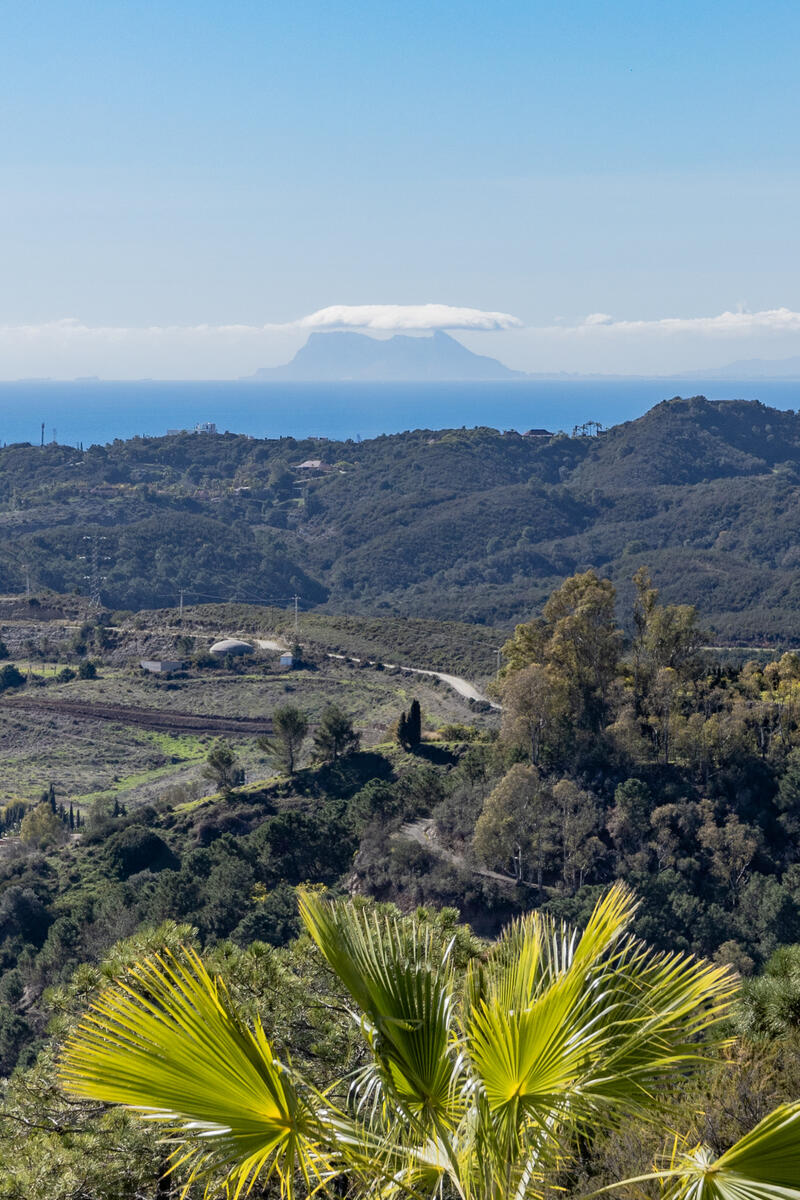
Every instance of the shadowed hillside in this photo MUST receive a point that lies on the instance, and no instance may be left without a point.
(467, 524)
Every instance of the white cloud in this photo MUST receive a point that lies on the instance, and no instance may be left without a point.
(394, 317)
(378, 317)
(740, 323)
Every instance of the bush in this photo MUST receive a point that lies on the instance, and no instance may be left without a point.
(87, 670)
(459, 733)
(10, 677)
(137, 849)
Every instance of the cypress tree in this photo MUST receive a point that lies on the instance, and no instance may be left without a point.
(401, 730)
(71, 816)
(414, 725)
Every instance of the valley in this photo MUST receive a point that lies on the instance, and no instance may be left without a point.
(493, 708)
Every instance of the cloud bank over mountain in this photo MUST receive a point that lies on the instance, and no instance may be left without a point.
(399, 317)
(597, 343)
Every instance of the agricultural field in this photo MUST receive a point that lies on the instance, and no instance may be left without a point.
(130, 736)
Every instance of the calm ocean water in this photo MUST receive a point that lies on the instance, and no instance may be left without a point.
(100, 412)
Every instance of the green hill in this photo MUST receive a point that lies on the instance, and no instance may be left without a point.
(471, 525)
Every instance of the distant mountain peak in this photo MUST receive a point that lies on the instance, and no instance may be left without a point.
(753, 369)
(345, 355)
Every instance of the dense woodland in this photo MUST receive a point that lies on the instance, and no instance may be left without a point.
(628, 750)
(622, 755)
(469, 524)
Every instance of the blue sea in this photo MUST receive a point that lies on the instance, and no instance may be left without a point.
(87, 412)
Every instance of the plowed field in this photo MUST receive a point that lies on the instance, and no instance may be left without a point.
(144, 718)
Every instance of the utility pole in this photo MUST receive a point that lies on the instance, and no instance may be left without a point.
(296, 618)
(499, 653)
(27, 581)
(181, 602)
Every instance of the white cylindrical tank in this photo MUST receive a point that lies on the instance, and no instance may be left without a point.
(231, 646)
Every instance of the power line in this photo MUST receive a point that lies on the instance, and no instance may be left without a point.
(94, 578)
(264, 600)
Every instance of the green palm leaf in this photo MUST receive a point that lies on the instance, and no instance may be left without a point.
(475, 1092)
(762, 1165)
(404, 989)
(169, 1045)
(589, 1029)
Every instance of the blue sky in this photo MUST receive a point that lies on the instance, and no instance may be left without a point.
(170, 171)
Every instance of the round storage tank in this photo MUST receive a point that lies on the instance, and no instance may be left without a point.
(231, 646)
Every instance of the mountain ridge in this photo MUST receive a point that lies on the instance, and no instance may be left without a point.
(464, 524)
(346, 356)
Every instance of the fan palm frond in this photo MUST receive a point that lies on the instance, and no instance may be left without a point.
(404, 988)
(596, 1022)
(475, 1092)
(762, 1165)
(169, 1045)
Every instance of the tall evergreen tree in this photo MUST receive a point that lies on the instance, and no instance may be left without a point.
(401, 730)
(414, 725)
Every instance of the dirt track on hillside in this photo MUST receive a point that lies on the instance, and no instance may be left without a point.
(143, 718)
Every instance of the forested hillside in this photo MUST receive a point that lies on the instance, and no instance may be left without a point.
(618, 758)
(473, 525)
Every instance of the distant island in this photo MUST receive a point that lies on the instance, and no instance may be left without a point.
(343, 356)
(753, 368)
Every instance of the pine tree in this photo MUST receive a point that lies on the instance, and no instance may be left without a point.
(335, 737)
(290, 725)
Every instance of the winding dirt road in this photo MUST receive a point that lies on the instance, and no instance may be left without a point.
(462, 686)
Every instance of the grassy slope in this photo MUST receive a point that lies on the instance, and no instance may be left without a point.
(88, 759)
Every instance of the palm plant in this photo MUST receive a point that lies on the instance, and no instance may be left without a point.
(476, 1085)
